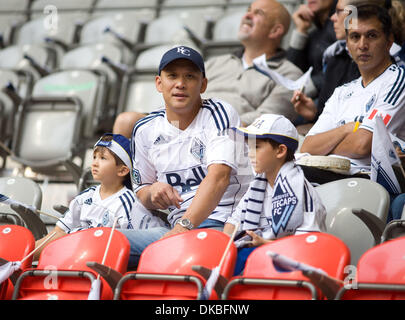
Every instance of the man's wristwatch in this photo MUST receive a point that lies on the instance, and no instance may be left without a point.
(185, 223)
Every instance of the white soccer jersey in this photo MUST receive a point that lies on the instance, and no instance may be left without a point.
(350, 102)
(88, 210)
(162, 152)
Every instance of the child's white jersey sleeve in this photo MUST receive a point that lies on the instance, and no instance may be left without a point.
(72, 218)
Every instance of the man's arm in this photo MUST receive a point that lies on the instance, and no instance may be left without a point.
(355, 144)
(207, 197)
(326, 142)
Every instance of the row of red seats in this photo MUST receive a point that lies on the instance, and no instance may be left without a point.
(177, 268)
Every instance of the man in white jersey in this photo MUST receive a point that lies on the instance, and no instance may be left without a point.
(182, 159)
(345, 127)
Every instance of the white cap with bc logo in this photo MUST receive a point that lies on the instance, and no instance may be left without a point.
(272, 126)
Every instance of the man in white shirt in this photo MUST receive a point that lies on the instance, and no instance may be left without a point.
(183, 160)
(345, 127)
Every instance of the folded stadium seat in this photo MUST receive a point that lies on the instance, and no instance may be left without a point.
(47, 133)
(10, 21)
(35, 59)
(291, 5)
(139, 93)
(149, 59)
(16, 242)
(165, 267)
(25, 191)
(20, 65)
(357, 212)
(57, 35)
(102, 59)
(121, 29)
(180, 27)
(62, 272)
(192, 3)
(394, 229)
(225, 34)
(211, 10)
(85, 85)
(145, 10)
(77, 11)
(380, 274)
(262, 281)
(14, 86)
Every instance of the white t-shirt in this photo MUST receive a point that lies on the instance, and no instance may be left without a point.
(162, 152)
(88, 210)
(350, 102)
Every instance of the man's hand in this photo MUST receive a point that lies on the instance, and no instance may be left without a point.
(163, 195)
(304, 105)
(176, 229)
(303, 18)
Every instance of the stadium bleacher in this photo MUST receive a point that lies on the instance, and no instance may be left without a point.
(67, 68)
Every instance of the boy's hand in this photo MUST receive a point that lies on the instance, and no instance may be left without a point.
(256, 239)
(163, 195)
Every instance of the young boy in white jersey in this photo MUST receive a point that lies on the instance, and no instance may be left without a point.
(279, 201)
(99, 206)
(183, 162)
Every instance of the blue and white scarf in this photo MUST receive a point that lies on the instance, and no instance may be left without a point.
(291, 199)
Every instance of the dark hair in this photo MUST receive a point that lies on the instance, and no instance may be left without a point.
(395, 9)
(118, 161)
(275, 144)
(367, 11)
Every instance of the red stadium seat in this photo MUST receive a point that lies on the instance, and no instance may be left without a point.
(380, 274)
(170, 261)
(260, 279)
(62, 271)
(16, 242)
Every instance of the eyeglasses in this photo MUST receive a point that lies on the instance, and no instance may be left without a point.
(339, 11)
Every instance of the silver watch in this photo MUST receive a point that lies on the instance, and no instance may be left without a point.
(185, 223)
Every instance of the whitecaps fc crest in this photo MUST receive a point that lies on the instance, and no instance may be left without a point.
(197, 149)
(283, 205)
(370, 103)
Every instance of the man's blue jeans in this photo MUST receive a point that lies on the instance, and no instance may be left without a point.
(397, 205)
(140, 239)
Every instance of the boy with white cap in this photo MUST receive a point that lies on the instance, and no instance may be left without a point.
(100, 205)
(279, 201)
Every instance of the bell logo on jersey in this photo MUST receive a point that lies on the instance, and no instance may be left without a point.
(385, 116)
(176, 179)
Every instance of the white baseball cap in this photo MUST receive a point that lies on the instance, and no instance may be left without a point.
(272, 126)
